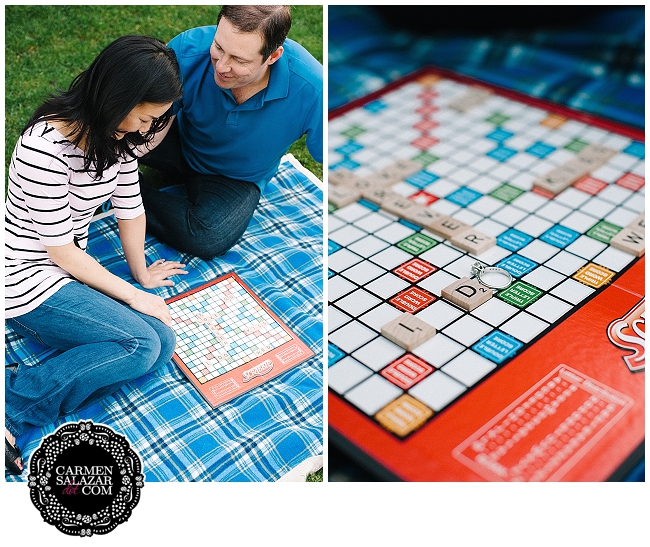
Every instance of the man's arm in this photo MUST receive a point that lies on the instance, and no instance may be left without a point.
(157, 139)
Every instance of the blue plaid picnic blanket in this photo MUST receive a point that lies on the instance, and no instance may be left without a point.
(597, 66)
(258, 436)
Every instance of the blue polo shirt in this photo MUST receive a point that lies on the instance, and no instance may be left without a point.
(246, 141)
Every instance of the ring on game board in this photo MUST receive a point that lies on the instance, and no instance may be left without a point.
(479, 270)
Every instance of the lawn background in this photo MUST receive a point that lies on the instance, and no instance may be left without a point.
(47, 46)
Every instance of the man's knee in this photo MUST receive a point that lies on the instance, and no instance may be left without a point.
(207, 247)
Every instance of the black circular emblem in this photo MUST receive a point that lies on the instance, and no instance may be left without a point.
(85, 479)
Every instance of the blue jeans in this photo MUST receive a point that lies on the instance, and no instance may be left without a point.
(104, 345)
(213, 216)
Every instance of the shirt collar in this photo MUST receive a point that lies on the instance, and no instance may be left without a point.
(278, 87)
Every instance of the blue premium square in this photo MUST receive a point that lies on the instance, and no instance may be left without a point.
(517, 265)
(332, 247)
(637, 149)
(501, 153)
(463, 196)
(497, 346)
(348, 148)
(540, 149)
(422, 179)
(375, 106)
(499, 135)
(559, 236)
(347, 163)
(369, 205)
(334, 355)
(513, 240)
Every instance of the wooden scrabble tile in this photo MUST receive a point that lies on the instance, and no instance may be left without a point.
(377, 195)
(471, 98)
(630, 240)
(398, 205)
(638, 223)
(404, 168)
(408, 331)
(586, 164)
(467, 293)
(447, 226)
(473, 241)
(384, 177)
(342, 176)
(363, 185)
(342, 195)
(597, 151)
(579, 166)
(422, 216)
(560, 178)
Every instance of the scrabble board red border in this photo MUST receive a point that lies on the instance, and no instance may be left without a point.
(580, 342)
(250, 375)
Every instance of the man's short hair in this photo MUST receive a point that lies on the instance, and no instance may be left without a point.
(272, 23)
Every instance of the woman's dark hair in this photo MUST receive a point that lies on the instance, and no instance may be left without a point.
(129, 71)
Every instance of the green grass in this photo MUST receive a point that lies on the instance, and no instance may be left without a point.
(315, 477)
(47, 46)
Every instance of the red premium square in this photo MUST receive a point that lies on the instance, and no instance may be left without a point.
(631, 181)
(424, 142)
(415, 270)
(428, 94)
(423, 198)
(412, 300)
(407, 371)
(590, 185)
(542, 192)
(427, 109)
(426, 125)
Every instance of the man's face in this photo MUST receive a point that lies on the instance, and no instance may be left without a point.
(236, 57)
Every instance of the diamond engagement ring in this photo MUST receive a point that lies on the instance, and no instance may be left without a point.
(491, 273)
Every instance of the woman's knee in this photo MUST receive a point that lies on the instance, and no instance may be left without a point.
(157, 347)
(167, 343)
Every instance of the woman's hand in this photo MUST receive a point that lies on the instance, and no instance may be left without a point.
(152, 305)
(87, 270)
(158, 273)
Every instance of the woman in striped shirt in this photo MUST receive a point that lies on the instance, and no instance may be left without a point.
(77, 151)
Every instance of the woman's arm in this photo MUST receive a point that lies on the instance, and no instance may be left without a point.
(132, 234)
(87, 270)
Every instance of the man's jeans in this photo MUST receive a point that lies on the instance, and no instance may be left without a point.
(213, 216)
(105, 344)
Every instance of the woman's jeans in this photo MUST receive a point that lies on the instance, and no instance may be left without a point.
(213, 216)
(105, 344)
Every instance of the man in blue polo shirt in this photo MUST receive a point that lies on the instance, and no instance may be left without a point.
(248, 94)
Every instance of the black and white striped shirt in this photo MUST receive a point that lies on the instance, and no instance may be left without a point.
(50, 202)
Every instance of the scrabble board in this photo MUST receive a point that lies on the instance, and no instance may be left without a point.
(432, 377)
(228, 341)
